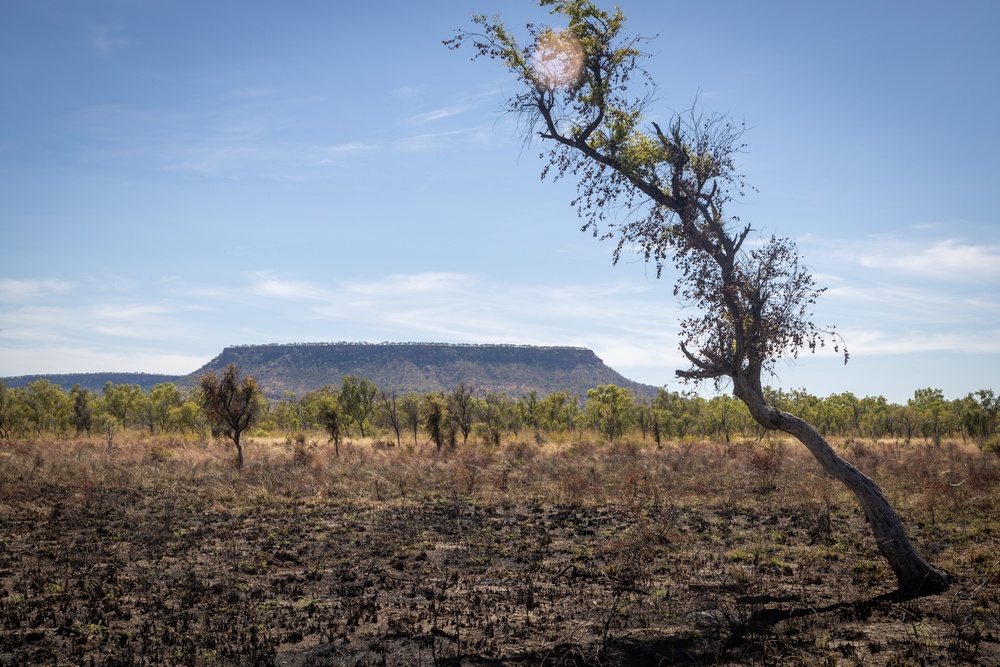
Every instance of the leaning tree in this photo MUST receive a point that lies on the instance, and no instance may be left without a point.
(662, 189)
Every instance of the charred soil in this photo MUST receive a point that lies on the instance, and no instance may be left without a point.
(542, 554)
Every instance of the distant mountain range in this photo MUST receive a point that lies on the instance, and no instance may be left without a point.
(399, 367)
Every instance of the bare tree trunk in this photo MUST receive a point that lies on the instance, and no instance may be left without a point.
(914, 575)
(239, 450)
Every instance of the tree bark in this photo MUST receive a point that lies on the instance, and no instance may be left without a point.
(914, 575)
(239, 449)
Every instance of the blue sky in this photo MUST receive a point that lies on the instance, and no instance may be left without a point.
(176, 177)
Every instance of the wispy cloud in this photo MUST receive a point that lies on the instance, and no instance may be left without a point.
(22, 291)
(268, 284)
(350, 147)
(949, 260)
(891, 299)
(107, 40)
(438, 114)
(893, 295)
(880, 343)
(87, 359)
(38, 324)
(438, 141)
(29, 325)
(405, 285)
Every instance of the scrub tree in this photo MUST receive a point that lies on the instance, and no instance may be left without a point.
(391, 414)
(663, 189)
(462, 409)
(409, 407)
(232, 404)
(5, 411)
(333, 419)
(357, 399)
(122, 401)
(609, 410)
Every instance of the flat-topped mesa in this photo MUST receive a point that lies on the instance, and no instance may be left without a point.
(421, 367)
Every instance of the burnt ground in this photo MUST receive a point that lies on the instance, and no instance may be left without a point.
(118, 578)
(150, 574)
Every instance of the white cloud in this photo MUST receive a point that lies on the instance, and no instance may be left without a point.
(23, 291)
(87, 359)
(405, 285)
(266, 283)
(38, 324)
(436, 141)
(877, 343)
(29, 325)
(946, 260)
(461, 307)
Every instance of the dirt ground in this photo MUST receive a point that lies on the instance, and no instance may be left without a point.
(145, 573)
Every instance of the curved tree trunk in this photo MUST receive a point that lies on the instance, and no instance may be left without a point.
(239, 449)
(914, 575)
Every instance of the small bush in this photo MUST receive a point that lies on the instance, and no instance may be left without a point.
(159, 454)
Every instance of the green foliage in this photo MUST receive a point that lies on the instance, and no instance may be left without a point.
(409, 407)
(6, 411)
(724, 416)
(676, 414)
(43, 407)
(49, 409)
(357, 399)
(558, 412)
(873, 421)
(324, 409)
(83, 409)
(287, 414)
(931, 412)
(159, 405)
(187, 417)
(122, 401)
(978, 415)
(609, 410)
(332, 417)
(528, 409)
(434, 414)
(498, 415)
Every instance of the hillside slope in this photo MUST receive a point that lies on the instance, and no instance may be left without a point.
(421, 367)
(93, 381)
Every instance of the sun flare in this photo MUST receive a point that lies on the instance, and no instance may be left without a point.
(557, 59)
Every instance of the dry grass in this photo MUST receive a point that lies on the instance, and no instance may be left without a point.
(562, 552)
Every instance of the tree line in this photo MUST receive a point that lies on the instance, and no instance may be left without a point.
(357, 407)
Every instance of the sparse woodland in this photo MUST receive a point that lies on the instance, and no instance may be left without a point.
(43, 409)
